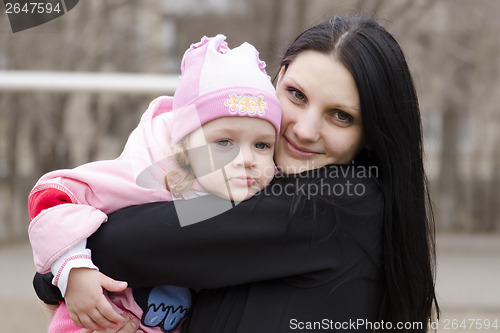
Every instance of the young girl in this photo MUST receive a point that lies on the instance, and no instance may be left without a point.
(216, 135)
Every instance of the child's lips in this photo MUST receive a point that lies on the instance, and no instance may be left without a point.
(243, 181)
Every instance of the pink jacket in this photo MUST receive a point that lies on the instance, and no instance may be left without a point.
(67, 206)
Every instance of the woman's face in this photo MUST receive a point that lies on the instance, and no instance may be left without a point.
(321, 122)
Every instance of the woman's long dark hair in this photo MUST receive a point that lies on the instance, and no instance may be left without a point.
(392, 128)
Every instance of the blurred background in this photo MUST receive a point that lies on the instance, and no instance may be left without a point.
(452, 46)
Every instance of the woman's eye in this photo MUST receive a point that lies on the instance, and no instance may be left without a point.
(299, 95)
(343, 116)
(296, 95)
(262, 145)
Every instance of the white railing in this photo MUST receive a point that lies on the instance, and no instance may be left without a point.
(87, 82)
(13, 214)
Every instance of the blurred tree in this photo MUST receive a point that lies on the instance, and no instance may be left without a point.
(468, 47)
(47, 131)
(452, 48)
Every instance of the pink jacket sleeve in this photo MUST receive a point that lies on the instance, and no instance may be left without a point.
(67, 206)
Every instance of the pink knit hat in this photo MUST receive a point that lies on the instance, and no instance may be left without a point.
(219, 82)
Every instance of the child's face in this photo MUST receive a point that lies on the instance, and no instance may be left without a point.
(239, 160)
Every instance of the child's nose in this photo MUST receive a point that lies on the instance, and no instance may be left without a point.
(245, 158)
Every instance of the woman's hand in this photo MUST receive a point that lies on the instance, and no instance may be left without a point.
(129, 325)
(87, 305)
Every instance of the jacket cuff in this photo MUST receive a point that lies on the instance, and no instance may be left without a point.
(76, 257)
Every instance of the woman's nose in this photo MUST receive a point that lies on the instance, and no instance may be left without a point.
(306, 127)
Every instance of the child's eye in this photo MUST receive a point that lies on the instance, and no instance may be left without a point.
(262, 145)
(224, 143)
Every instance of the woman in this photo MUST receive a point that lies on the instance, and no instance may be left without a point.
(358, 256)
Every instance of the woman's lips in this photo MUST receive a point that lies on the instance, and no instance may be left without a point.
(243, 181)
(297, 150)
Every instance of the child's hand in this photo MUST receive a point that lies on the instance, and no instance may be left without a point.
(87, 305)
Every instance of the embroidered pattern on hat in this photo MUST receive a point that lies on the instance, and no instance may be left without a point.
(246, 105)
